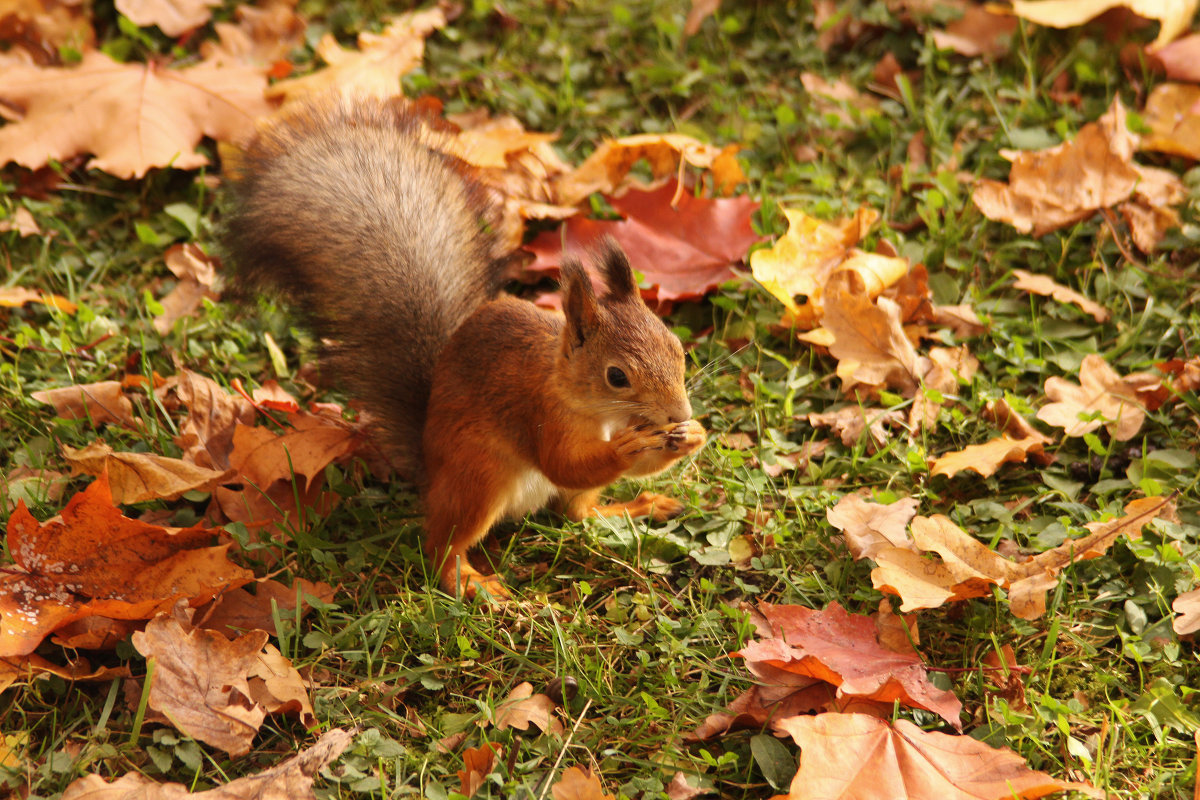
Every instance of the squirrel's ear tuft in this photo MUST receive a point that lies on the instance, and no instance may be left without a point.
(579, 303)
(614, 266)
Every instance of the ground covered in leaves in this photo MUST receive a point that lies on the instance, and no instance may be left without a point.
(934, 266)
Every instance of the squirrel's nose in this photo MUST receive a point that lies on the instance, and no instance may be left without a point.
(682, 413)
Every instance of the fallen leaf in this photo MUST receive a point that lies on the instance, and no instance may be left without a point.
(102, 402)
(801, 262)
(868, 527)
(199, 680)
(17, 296)
(1047, 287)
(869, 341)
(477, 764)
(173, 17)
(577, 783)
(262, 35)
(132, 117)
(523, 707)
(197, 275)
(700, 11)
(1174, 122)
(1102, 398)
(314, 441)
(206, 434)
(978, 32)
(95, 562)
(31, 486)
(988, 457)
(851, 422)
(1181, 59)
(1187, 606)
(277, 686)
(41, 29)
(138, 477)
(290, 780)
(842, 649)
(683, 251)
(375, 67)
(860, 756)
(1005, 676)
(24, 224)
(1175, 15)
(1015, 426)
(236, 611)
(31, 667)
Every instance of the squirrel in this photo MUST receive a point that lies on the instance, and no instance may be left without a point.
(494, 406)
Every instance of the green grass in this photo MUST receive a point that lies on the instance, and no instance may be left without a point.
(640, 616)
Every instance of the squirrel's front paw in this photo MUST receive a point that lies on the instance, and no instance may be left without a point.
(686, 437)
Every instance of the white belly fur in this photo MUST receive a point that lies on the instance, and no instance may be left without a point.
(531, 491)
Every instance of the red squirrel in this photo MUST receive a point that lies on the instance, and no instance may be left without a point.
(496, 407)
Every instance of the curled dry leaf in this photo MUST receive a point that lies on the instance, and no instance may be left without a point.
(206, 434)
(100, 402)
(375, 67)
(197, 275)
(290, 780)
(868, 527)
(132, 117)
(966, 568)
(17, 296)
(236, 611)
(31, 667)
(477, 763)
(1012, 424)
(978, 32)
(868, 338)
(200, 680)
(24, 224)
(92, 561)
(262, 35)
(1174, 122)
(523, 707)
(1175, 15)
(988, 457)
(801, 262)
(1047, 287)
(859, 756)
(36, 31)
(851, 422)
(138, 477)
(173, 17)
(1102, 397)
(1187, 606)
(277, 686)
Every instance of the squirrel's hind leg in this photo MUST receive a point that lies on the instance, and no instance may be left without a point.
(454, 523)
(658, 507)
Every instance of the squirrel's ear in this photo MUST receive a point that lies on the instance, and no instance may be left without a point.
(614, 266)
(579, 303)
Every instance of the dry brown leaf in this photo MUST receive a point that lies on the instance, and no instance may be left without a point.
(375, 67)
(289, 780)
(1012, 424)
(99, 402)
(263, 34)
(200, 680)
(1187, 606)
(94, 562)
(851, 422)
(1181, 59)
(278, 687)
(33, 486)
(523, 707)
(801, 262)
(132, 117)
(978, 32)
(578, 783)
(236, 611)
(1006, 677)
(961, 319)
(477, 763)
(173, 17)
(138, 477)
(988, 457)
(700, 11)
(197, 275)
(24, 224)
(1174, 121)
(36, 31)
(1047, 287)
(868, 527)
(1103, 398)
(859, 756)
(17, 296)
(894, 632)
(31, 667)
(1175, 15)
(206, 434)
(869, 340)
(315, 441)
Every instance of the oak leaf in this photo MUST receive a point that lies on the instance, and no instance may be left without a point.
(801, 262)
(522, 707)
(236, 611)
(859, 756)
(197, 275)
(1102, 397)
(683, 251)
(851, 422)
(213, 414)
(289, 780)
(173, 17)
(988, 457)
(1174, 122)
(843, 650)
(868, 527)
(92, 561)
(277, 686)
(1047, 287)
(199, 680)
(262, 35)
(138, 477)
(375, 67)
(1187, 606)
(1174, 15)
(132, 117)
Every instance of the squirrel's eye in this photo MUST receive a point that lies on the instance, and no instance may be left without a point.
(617, 378)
